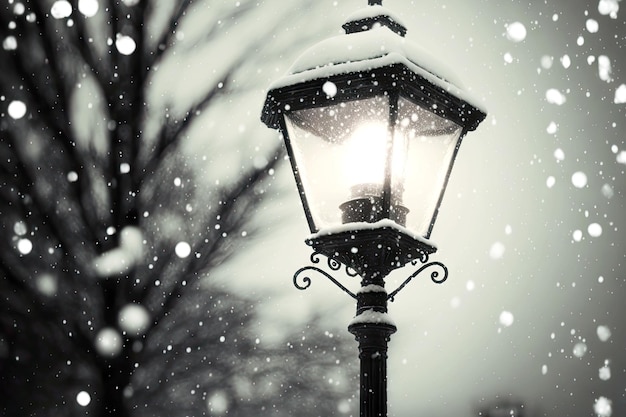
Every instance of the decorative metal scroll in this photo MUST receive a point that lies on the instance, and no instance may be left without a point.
(302, 282)
(423, 258)
(434, 276)
(333, 264)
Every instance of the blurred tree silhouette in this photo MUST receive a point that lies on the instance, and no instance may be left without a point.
(105, 304)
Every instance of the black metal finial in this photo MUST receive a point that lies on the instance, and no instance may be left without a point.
(368, 23)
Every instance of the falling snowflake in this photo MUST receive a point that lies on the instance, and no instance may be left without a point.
(594, 230)
(218, 402)
(607, 191)
(579, 179)
(47, 284)
(506, 318)
(134, 319)
(61, 9)
(577, 235)
(88, 8)
(24, 246)
(9, 43)
(330, 89)
(344, 406)
(559, 155)
(580, 349)
(603, 407)
(604, 373)
(592, 25)
(610, 7)
(554, 96)
(604, 68)
(546, 61)
(182, 249)
(620, 94)
(17, 109)
(120, 259)
(516, 31)
(552, 128)
(83, 398)
(604, 333)
(19, 228)
(108, 342)
(497, 250)
(125, 44)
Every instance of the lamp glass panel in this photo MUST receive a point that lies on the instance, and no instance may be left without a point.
(428, 143)
(340, 152)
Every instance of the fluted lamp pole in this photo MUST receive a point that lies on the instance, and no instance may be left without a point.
(372, 125)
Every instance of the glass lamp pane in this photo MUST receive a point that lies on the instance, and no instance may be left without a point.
(429, 142)
(340, 153)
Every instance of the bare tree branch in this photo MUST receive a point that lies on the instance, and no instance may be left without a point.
(166, 37)
(91, 219)
(82, 43)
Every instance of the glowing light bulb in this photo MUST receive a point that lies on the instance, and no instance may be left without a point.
(371, 159)
(366, 150)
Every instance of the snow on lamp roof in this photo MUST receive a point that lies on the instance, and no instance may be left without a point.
(370, 48)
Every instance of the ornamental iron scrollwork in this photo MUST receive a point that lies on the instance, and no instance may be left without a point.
(333, 264)
(434, 276)
(302, 282)
(423, 258)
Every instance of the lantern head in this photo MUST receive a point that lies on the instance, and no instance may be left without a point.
(372, 126)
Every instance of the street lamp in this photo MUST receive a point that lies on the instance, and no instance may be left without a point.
(372, 125)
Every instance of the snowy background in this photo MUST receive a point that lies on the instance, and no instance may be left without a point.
(532, 225)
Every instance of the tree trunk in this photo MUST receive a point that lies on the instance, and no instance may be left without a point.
(116, 374)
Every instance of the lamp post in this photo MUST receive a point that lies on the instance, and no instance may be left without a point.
(372, 125)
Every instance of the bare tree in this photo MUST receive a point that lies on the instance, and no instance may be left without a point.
(105, 305)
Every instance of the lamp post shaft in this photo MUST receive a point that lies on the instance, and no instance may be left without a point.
(372, 331)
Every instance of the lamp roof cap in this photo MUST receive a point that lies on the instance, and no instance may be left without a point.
(373, 16)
